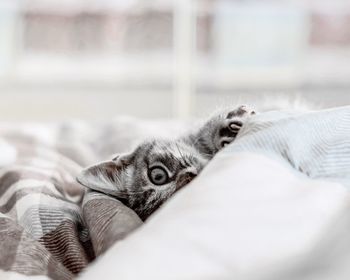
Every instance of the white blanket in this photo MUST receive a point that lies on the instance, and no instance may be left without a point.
(316, 144)
(246, 217)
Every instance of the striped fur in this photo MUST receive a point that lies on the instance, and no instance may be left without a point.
(127, 177)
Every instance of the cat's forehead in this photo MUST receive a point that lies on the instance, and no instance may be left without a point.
(177, 149)
(166, 148)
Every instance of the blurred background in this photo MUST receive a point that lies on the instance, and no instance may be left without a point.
(95, 59)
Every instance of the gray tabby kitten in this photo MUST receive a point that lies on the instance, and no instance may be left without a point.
(145, 178)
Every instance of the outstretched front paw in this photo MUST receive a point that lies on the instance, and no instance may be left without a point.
(231, 124)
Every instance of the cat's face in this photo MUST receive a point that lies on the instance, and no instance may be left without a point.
(156, 169)
(148, 176)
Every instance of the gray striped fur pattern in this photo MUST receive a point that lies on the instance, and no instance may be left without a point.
(156, 169)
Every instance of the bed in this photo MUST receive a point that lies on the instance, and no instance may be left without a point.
(272, 205)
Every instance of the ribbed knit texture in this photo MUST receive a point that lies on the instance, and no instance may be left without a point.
(316, 144)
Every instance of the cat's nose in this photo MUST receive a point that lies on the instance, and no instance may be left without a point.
(184, 179)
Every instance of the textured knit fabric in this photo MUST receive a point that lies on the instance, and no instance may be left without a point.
(49, 226)
(317, 144)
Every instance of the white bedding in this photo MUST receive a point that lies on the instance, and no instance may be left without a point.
(272, 205)
(246, 217)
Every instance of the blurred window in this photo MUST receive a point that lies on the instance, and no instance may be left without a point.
(185, 47)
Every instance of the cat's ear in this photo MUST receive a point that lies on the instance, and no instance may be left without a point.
(107, 176)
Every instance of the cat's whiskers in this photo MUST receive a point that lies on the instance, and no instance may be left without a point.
(181, 155)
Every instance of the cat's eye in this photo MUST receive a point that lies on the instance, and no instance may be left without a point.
(158, 175)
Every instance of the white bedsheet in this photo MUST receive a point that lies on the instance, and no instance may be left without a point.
(246, 216)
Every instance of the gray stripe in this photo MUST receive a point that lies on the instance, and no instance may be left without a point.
(7, 180)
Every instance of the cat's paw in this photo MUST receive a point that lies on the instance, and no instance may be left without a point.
(232, 124)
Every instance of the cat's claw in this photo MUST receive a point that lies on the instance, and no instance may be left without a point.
(247, 110)
(233, 123)
(235, 126)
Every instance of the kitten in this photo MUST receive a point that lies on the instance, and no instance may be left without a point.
(145, 178)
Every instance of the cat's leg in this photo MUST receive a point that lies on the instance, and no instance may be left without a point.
(232, 124)
(219, 130)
